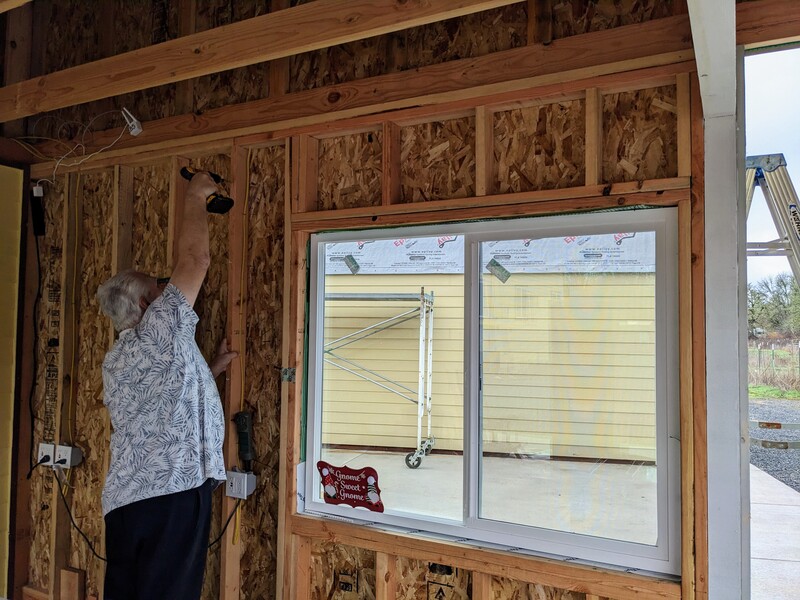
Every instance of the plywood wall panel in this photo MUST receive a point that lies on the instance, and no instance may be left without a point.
(350, 170)
(640, 135)
(421, 580)
(150, 226)
(438, 160)
(508, 589)
(340, 63)
(212, 308)
(265, 265)
(340, 572)
(572, 17)
(540, 147)
(47, 380)
(87, 407)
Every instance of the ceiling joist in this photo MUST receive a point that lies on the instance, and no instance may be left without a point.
(267, 37)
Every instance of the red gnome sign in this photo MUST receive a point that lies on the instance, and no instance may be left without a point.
(354, 487)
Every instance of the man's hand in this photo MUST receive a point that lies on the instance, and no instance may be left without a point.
(201, 186)
(222, 359)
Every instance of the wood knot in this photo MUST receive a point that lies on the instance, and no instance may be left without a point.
(620, 201)
(197, 50)
(334, 97)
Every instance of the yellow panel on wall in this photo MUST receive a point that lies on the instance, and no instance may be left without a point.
(10, 234)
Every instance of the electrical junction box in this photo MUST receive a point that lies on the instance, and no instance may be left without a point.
(46, 450)
(68, 457)
(240, 485)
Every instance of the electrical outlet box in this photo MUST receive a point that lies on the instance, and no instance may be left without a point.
(68, 457)
(240, 485)
(46, 450)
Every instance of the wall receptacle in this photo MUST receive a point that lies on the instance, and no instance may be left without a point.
(68, 456)
(46, 450)
(240, 485)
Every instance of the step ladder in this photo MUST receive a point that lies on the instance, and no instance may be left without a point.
(768, 171)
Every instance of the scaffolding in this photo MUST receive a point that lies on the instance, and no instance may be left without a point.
(769, 172)
(423, 311)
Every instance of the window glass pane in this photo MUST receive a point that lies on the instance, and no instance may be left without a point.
(392, 368)
(568, 396)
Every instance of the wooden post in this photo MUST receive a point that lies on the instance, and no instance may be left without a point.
(684, 126)
(177, 194)
(391, 163)
(19, 31)
(236, 330)
(68, 390)
(302, 568)
(594, 136)
(386, 576)
(482, 586)
(484, 151)
(540, 22)
(308, 176)
(73, 584)
(187, 25)
(279, 68)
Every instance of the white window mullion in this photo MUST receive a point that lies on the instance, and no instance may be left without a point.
(472, 434)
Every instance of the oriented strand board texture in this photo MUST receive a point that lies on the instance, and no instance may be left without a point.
(340, 572)
(47, 380)
(236, 85)
(540, 147)
(572, 17)
(265, 267)
(421, 580)
(508, 589)
(338, 64)
(93, 337)
(640, 135)
(350, 171)
(150, 228)
(212, 308)
(438, 160)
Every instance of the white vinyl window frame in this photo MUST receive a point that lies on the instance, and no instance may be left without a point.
(663, 557)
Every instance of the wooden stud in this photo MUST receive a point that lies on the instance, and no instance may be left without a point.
(684, 126)
(680, 7)
(484, 151)
(6, 5)
(187, 25)
(177, 193)
(68, 390)
(554, 573)
(236, 333)
(308, 176)
(301, 569)
(19, 34)
(700, 549)
(659, 43)
(482, 586)
(385, 576)
(592, 597)
(303, 28)
(594, 136)
(279, 68)
(392, 175)
(122, 250)
(73, 584)
(540, 22)
(32, 593)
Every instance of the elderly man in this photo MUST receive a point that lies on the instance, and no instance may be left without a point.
(166, 447)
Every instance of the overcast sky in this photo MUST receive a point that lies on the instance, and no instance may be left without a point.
(772, 89)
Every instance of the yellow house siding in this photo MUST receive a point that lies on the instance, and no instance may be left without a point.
(569, 365)
(10, 236)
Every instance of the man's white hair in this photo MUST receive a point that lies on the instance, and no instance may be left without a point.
(119, 298)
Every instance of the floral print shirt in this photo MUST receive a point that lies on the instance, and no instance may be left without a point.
(168, 425)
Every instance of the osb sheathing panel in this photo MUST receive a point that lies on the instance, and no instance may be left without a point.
(508, 589)
(150, 228)
(87, 407)
(438, 160)
(236, 85)
(338, 64)
(212, 306)
(350, 171)
(572, 17)
(640, 135)
(47, 380)
(421, 580)
(540, 147)
(340, 572)
(265, 267)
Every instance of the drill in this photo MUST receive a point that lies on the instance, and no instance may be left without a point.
(215, 203)
(244, 431)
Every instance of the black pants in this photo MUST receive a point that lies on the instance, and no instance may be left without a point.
(156, 548)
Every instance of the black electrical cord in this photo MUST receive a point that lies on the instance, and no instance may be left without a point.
(74, 524)
(35, 356)
(44, 459)
(224, 527)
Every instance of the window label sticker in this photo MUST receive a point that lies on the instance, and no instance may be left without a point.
(354, 487)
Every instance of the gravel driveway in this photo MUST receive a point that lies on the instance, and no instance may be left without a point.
(783, 465)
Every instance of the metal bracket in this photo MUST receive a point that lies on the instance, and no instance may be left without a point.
(287, 374)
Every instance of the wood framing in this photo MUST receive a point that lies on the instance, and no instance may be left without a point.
(187, 23)
(767, 23)
(267, 37)
(386, 576)
(391, 163)
(594, 136)
(484, 151)
(17, 67)
(177, 193)
(540, 21)
(6, 5)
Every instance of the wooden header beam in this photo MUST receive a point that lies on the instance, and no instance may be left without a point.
(268, 37)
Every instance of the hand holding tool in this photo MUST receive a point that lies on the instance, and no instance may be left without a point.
(215, 203)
